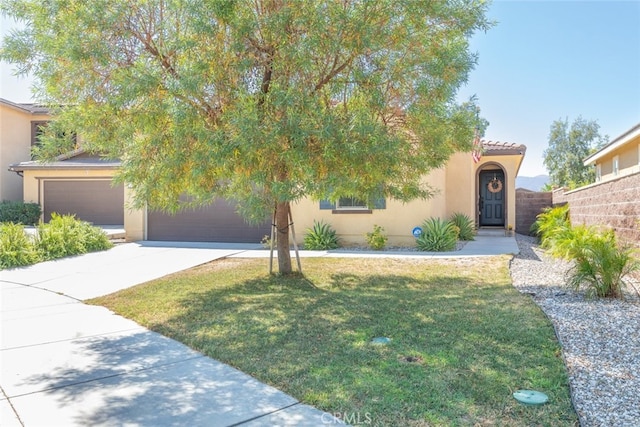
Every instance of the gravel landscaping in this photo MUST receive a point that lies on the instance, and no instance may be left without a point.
(599, 338)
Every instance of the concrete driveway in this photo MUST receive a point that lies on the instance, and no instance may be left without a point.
(64, 363)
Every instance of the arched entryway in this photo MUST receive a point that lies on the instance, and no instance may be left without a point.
(492, 204)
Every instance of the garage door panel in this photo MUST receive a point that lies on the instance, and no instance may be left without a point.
(218, 222)
(95, 201)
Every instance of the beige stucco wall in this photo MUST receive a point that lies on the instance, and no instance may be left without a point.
(15, 147)
(135, 220)
(457, 192)
(628, 161)
(398, 219)
(460, 184)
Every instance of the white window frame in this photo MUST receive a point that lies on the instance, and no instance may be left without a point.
(598, 172)
(363, 207)
(615, 169)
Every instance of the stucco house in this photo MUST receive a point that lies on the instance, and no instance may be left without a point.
(620, 157)
(19, 126)
(78, 183)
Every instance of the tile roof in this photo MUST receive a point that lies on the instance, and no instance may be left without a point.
(498, 148)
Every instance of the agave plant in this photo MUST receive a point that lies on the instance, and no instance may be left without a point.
(465, 225)
(321, 237)
(438, 235)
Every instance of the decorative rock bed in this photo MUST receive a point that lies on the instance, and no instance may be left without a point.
(600, 338)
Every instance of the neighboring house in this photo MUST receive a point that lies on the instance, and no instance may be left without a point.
(613, 201)
(19, 128)
(620, 157)
(82, 184)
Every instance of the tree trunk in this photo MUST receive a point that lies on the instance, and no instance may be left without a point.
(282, 238)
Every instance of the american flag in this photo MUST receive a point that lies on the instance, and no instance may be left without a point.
(476, 152)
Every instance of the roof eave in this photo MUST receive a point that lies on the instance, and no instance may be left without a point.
(24, 109)
(21, 167)
(629, 135)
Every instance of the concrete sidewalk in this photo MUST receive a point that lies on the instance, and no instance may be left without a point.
(64, 363)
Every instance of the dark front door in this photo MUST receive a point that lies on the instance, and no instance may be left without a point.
(492, 190)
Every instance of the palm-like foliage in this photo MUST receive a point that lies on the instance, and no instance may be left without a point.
(550, 224)
(601, 265)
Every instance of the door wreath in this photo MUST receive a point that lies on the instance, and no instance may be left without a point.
(495, 185)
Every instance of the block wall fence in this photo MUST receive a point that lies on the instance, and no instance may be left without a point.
(528, 205)
(614, 204)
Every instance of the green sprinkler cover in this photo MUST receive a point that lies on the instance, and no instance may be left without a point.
(530, 397)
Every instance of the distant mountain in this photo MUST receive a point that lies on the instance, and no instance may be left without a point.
(533, 183)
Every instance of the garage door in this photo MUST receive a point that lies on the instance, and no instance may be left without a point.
(95, 201)
(218, 222)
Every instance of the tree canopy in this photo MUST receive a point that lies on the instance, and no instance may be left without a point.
(264, 102)
(569, 145)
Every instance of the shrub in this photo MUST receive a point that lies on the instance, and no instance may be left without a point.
(465, 225)
(600, 264)
(550, 223)
(321, 237)
(65, 235)
(568, 242)
(376, 239)
(16, 247)
(20, 212)
(437, 236)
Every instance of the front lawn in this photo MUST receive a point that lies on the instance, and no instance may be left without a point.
(462, 338)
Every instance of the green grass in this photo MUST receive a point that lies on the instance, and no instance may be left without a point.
(475, 339)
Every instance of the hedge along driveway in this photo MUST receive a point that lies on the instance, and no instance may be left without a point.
(63, 236)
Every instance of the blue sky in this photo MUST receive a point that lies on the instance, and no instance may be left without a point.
(550, 60)
(542, 61)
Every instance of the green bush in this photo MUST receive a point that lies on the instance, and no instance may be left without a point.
(65, 235)
(465, 224)
(550, 223)
(16, 247)
(20, 212)
(597, 261)
(600, 264)
(321, 237)
(438, 235)
(376, 239)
